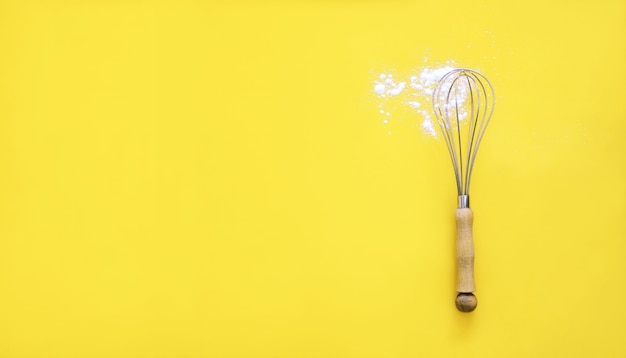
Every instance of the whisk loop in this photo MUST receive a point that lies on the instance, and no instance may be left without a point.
(463, 102)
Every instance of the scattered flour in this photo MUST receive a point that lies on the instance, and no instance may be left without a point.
(414, 105)
(387, 87)
(427, 124)
(420, 89)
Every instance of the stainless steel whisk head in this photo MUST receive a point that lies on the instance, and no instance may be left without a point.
(463, 102)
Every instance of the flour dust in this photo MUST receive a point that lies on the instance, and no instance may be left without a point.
(414, 92)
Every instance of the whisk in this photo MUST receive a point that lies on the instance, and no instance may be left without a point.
(463, 102)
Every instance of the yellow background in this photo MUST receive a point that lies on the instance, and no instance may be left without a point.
(213, 179)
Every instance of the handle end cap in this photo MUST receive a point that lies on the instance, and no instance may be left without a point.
(466, 302)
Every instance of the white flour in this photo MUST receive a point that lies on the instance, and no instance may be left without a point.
(387, 87)
(417, 95)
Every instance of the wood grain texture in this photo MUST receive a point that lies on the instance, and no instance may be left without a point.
(465, 251)
(466, 302)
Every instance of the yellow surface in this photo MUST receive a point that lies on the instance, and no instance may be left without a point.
(213, 179)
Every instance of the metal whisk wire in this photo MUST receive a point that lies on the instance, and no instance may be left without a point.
(461, 96)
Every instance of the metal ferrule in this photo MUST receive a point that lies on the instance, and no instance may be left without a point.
(463, 201)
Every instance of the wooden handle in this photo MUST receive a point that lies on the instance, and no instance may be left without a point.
(465, 300)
